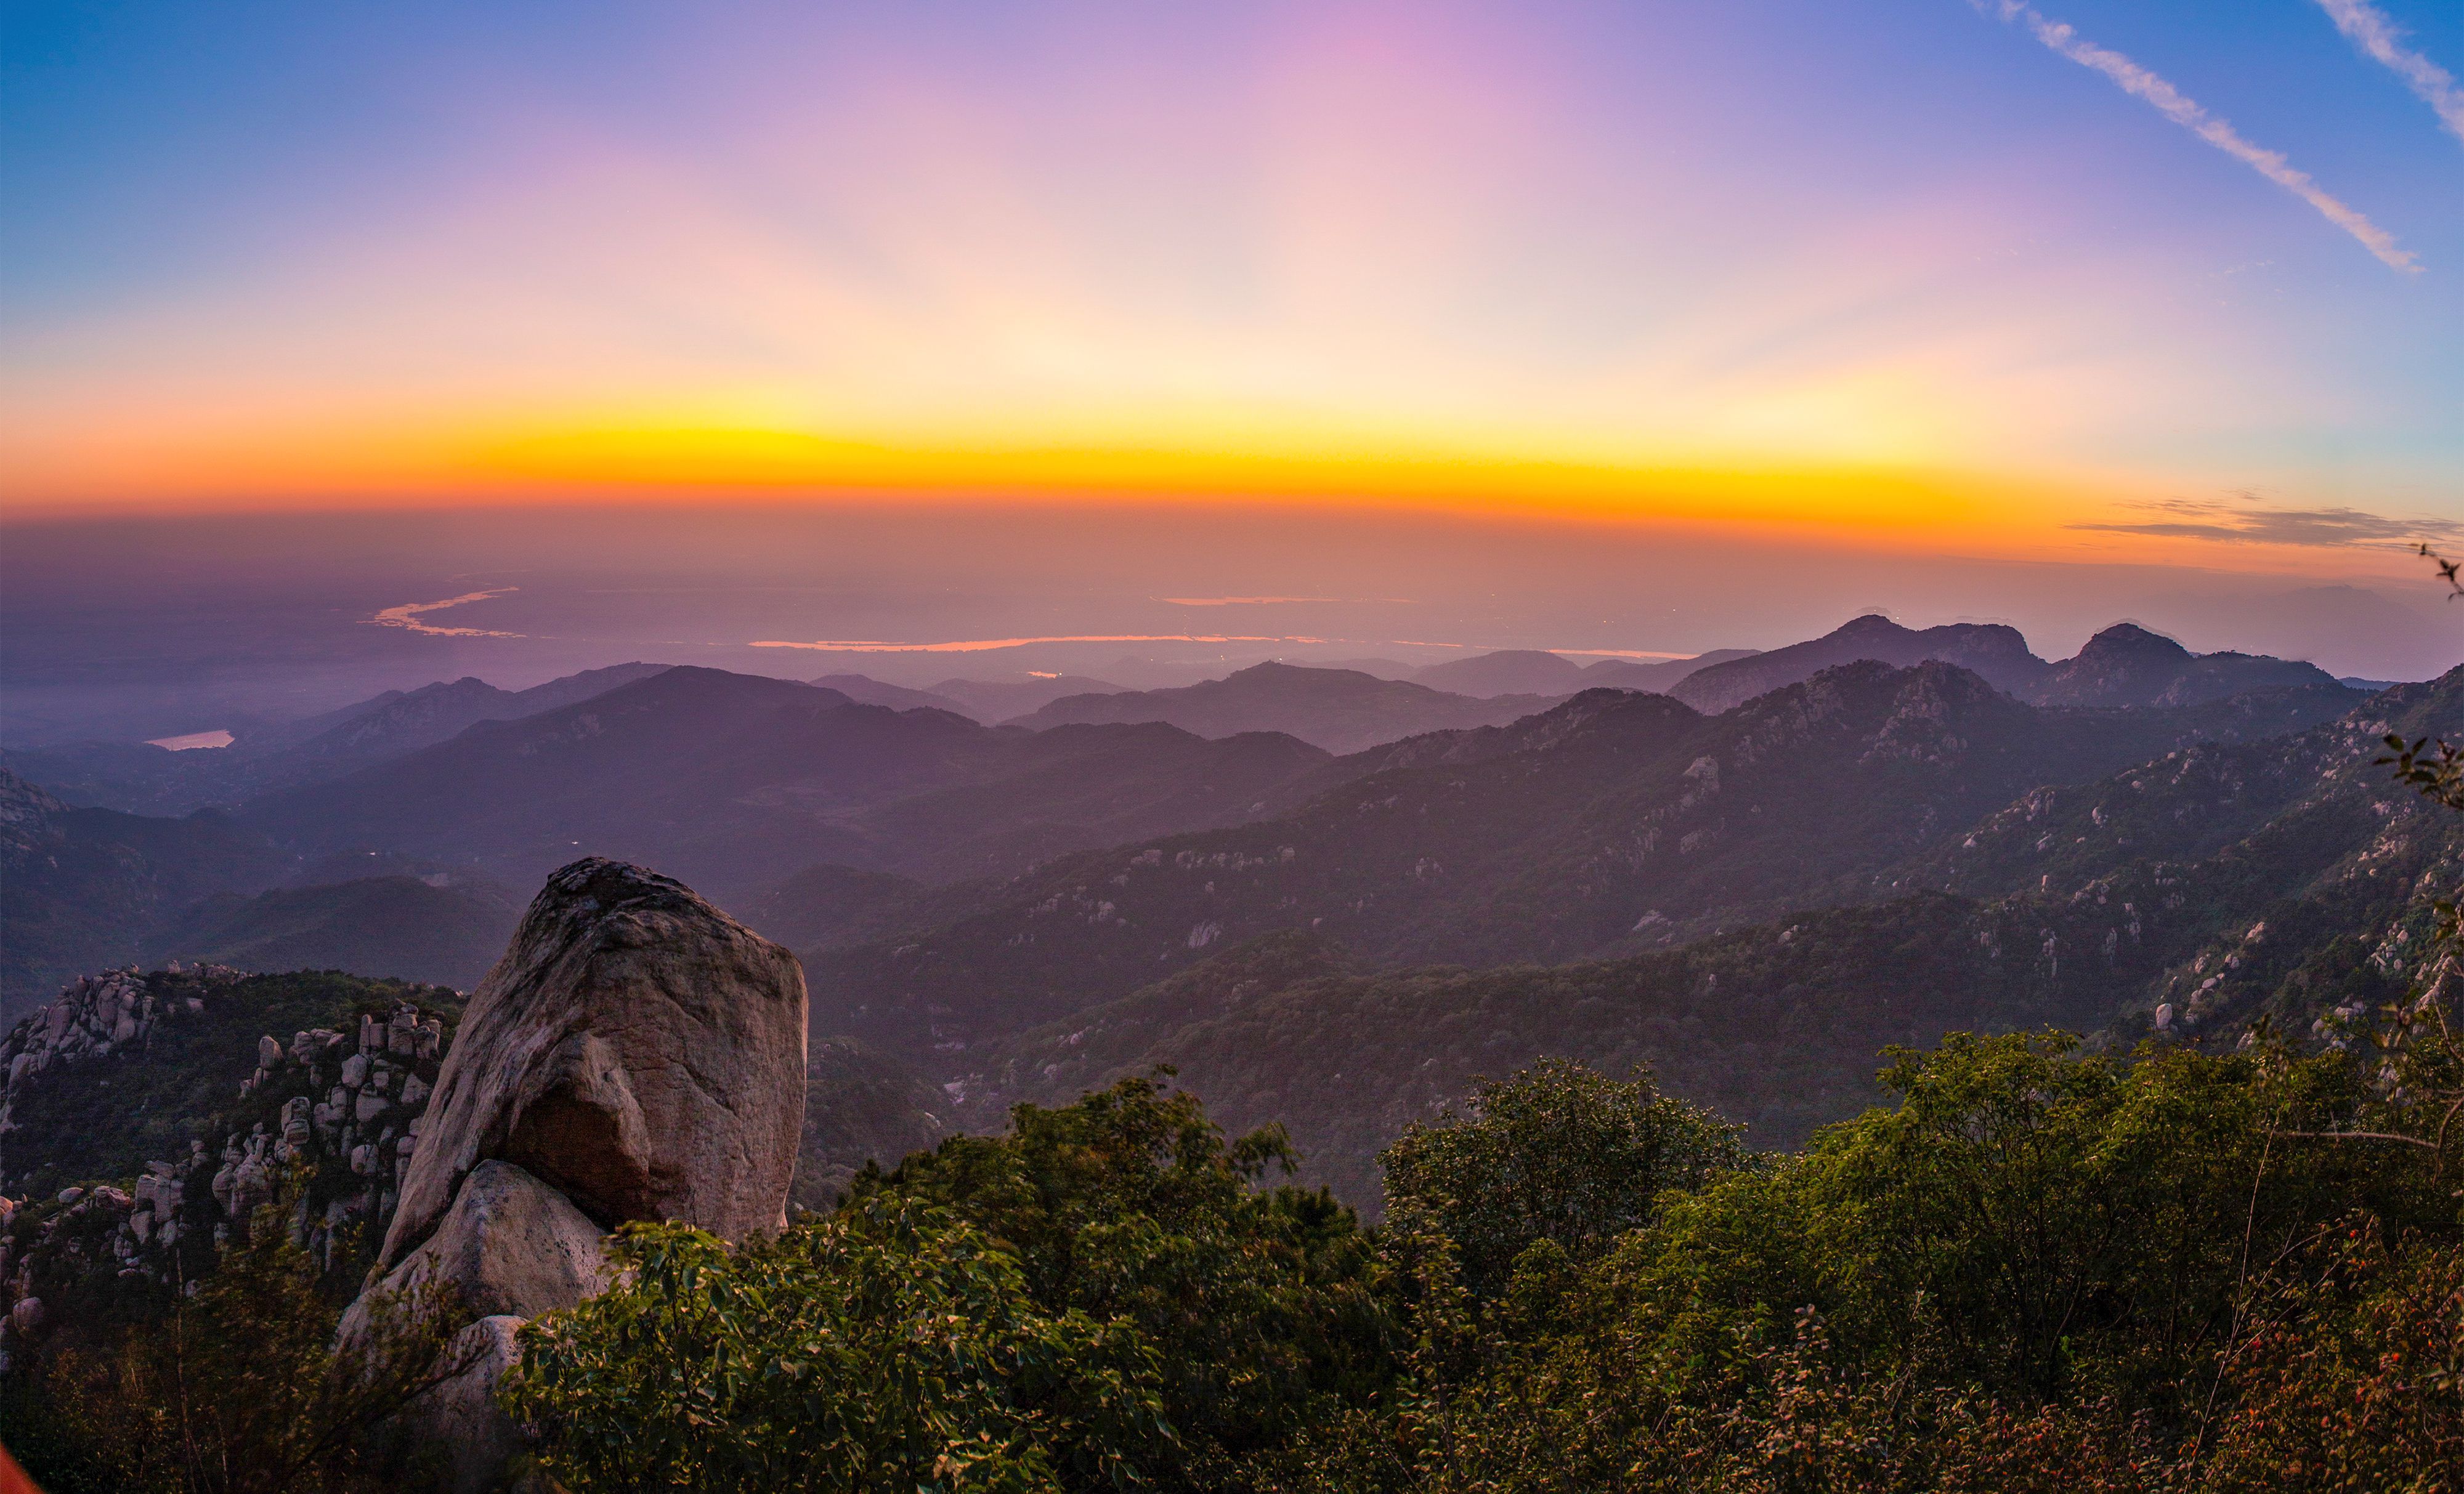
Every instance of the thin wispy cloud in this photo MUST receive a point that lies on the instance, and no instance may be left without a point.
(2176, 107)
(2367, 26)
(2197, 518)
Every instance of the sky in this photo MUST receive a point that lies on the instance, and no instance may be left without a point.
(2172, 286)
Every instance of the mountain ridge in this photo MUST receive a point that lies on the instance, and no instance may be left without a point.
(1338, 709)
(1610, 816)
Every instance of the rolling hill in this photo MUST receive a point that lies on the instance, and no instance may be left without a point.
(80, 887)
(142, 779)
(389, 928)
(734, 782)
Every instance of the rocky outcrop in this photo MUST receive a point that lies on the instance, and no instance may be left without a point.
(92, 1015)
(511, 1246)
(334, 1117)
(460, 1418)
(636, 1054)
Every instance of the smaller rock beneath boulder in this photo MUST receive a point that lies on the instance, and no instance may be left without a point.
(510, 1244)
(462, 1414)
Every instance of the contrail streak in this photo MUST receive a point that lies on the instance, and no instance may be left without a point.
(2171, 103)
(2367, 26)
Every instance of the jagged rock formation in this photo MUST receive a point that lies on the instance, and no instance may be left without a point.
(93, 1014)
(344, 1105)
(637, 1054)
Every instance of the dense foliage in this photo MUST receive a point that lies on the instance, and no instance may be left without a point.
(1559, 1154)
(2042, 1266)
(1263, 1305)
(237, 1388)
(891, 1348)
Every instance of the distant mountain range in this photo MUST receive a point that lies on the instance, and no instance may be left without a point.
(1323, 895)
(1338, 709)
(1531, 672)
(2124, 666)
(80, 887)
(2129, 666)
(1611, 819)
(987, 701)
(2179, 898)
(737, 781)
(734, 782)
(147, 779)
(1001, 700)
(855, 813)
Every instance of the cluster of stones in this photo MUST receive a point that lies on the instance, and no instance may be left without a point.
(87, 1224)
(373, 1099)
(92, 1015)
(360, 1101)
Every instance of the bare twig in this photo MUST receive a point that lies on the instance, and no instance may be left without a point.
(2446, 572)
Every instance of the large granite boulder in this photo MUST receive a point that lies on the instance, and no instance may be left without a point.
(637, 1054)
(636, 1049)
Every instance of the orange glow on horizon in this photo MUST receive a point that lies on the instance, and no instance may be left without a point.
(1859, 508)
(637, 462)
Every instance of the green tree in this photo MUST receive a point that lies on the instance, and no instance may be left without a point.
(237, 1389)
(2044, 1222)
(889, 1347)
(1264, 1304)
(1556, 1153)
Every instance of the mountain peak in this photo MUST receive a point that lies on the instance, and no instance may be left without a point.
(1994, 650)
(2133, 641)
(2127, 665)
